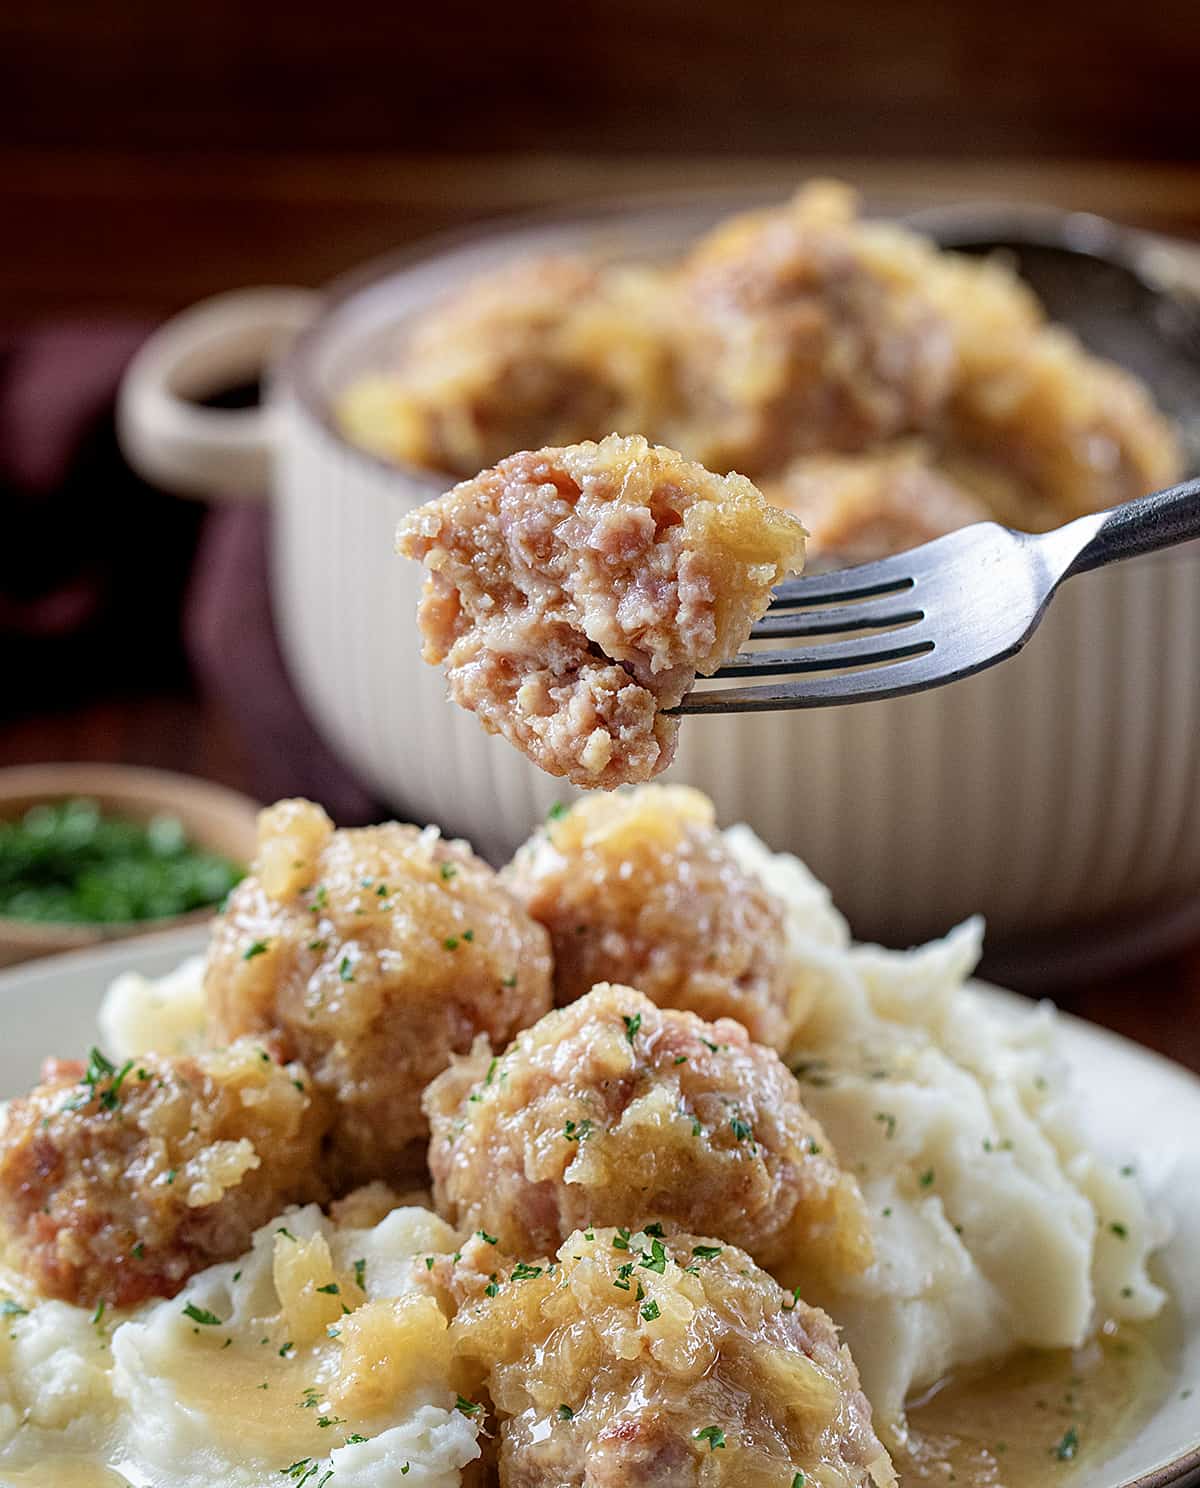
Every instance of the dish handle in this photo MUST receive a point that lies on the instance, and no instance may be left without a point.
(174, 441)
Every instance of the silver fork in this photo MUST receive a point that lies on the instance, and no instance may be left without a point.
(940, 612)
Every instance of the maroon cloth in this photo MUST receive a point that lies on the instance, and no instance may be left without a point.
(109, 586)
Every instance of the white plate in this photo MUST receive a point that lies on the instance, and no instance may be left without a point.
(1135, 1101)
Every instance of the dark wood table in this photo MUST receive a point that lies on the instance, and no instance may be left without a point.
(163, 230)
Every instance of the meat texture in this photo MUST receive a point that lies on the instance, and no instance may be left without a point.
(118, 1184)
(639, 887)
(373, 955)
(575, 593)
(668, 1359)
(614, 1111)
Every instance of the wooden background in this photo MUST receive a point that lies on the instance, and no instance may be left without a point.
(150, 153)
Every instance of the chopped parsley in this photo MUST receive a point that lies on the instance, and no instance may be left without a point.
(632, 1024)
(522, 1272)
(576, 1131)
(926, 1178)
(346, 969)
(256, 948)
(510, 980)
(491, 1290)
(742, 1130)
(885, 1118)
(286, 1233)
(558, 811)
(654, 1229)
(565, 1413)
(451, 942)
(1119, 1230)
(360, 1274)
(799, 1480)
(486, 1238)
(681, 1059)
(468, 1407)
(713, 1435)
(621, 1239)
(199, 1315)
(448, 870)
(491, 1070)
(706, 1252)
(332, 1290)
(657, 1259)
(468, 936)
(11, 1309)
(650, 1311)
(1069, 1446)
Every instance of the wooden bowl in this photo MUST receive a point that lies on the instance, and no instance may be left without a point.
(216, 819)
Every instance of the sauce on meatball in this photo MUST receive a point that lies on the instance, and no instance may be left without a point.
(373, 955)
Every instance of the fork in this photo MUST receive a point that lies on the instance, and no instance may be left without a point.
(935, 614)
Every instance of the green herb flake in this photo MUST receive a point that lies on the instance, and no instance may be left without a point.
(11, 1309)
(707, 1252)
(632, 1025)
(654, 1229)
(1069, 1446)
(742, 1130)
(565, 1413)
(657, 1259)
(713, 1435)
(558, 811)
(799, 1480)
(451, 942)
(332, 1290)
(486, 1238)
(1119, 1230)
(510, 980)
(202, 1316)
(468, 1407)
(522, 1272)
(256, 948)
(621, 1239)
(651, 1311)
(885, 1118)
(576, 1131)
(926, 1178)
(346, 969)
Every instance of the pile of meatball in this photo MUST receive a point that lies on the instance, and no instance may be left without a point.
(581, 1055)
(884, 390)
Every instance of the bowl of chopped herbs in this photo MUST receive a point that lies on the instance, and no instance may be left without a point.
(94, 852)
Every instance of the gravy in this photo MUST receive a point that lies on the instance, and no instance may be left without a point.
(1032, 1421)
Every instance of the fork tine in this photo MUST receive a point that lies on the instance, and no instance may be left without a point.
(887, 576)
(863, 652)
(786, 624)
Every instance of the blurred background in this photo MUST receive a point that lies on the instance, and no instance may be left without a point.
(151, 155)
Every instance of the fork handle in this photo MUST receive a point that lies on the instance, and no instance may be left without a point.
(1142, 526)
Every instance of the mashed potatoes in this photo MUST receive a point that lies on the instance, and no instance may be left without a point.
(993, 1225)
(315, 1350)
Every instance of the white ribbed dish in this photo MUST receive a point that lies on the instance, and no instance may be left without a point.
(1060, 788)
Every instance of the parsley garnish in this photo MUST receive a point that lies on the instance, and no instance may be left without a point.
(451, 942)
(522, 1272)
(1119, 1230)
(575, 1131)
(631, 1025)
(888, 1120)
(9, 1308)
(654, 1229)
(713, 1435)
(1067, 1448)
(488, 1239)
(799, 1480)
(468, 1407)
(510, 981)
(346, 970)
(657, 1259)
(360, 1274)
(741, 1129)
(558, 811)
(565, 1413)
(202, 1316)
(926, 1178)
(650, 1311)
(256, 948)
(621, 1239)
(332, 1290)
(706, 1252)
